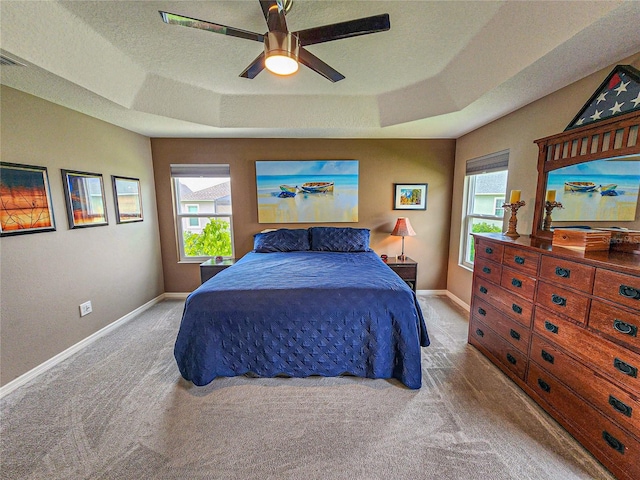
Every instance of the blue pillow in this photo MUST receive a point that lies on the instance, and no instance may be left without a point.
(282, 240)
(339, 239)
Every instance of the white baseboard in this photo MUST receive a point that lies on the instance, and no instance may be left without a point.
(446, 293)
(176, 295)
(458, 301)
(43, 367)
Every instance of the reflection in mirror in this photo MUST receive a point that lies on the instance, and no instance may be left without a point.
(598, 191)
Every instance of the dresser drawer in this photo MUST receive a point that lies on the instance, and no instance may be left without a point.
(483, 288)
(512, 306)
(487, 269)
(512, 332)
(620, 365)
(622, 326)
(518, 283)
(490, 250)
(563, 302)
(611, 400)
(509, 356)
(618, 287)
(521, 260)
(617, 448)
(565, 272)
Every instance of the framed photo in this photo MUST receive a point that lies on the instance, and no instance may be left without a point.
(410, 196)
(25, 200)
(84, 194)
(126, 193)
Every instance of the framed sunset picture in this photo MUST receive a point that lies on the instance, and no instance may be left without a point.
(84, 195)
(25, 200)
(410, 196)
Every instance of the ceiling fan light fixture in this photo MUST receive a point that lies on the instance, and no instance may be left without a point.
(281, 53)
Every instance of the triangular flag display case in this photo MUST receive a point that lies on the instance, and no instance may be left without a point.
(617, 95)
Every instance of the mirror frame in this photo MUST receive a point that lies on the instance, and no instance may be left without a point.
(613, 137)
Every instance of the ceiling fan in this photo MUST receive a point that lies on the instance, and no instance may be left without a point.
(283, 50)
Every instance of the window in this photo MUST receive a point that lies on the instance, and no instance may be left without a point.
(485, 191)
(193, 221)
(202, 203)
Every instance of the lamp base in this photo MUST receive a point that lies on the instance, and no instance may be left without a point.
(401, 257)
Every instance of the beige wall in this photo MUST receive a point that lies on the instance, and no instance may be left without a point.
(45, 276)
(382, 163)
(516, 132)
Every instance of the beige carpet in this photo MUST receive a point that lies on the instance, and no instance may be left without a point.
(119, 410)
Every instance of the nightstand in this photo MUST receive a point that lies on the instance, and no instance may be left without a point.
(210, 268)
(406, 269)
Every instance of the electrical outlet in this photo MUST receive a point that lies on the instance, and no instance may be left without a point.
(85, 308)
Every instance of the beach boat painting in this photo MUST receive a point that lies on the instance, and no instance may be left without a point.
(579, 186)
(597, 191)
(317, 187)
(307, 191)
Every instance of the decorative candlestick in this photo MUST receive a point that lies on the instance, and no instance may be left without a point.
(549, 206)
(513, 220)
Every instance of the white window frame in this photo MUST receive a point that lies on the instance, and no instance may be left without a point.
(495, 162)
(200, 170)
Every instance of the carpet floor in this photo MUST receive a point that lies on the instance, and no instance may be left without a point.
(120, 410)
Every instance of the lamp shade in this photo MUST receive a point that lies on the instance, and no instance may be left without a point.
(403, 228)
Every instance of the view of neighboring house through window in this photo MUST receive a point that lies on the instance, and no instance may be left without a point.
(485, 193)
(202, 198)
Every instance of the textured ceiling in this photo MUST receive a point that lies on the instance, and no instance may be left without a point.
(443, 69)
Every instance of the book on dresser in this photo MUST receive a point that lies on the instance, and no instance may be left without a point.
(563, 325)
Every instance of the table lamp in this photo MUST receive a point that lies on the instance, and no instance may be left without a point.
(403, 229)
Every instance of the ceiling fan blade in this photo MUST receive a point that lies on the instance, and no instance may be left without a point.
(174, 19)
(314, 63)
(337, 31)
(274, 14)
(254, 68)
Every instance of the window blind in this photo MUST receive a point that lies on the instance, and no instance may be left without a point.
(493, 162)
(200, 170)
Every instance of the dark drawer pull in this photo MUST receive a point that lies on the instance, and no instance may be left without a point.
(482, 311)
(483, 289)
(516, 283)
(514, 334)
(479, 332)
(516, 308)
(629, 292)
(558, 300)
(621, 407)
(486, 269)
(613, 441)
(625, 368)
(544, 385)
(551, 327)
(489, 250)
(563, 272)
(519, 260)
(511, 359)
(626, 328)
(546, 356)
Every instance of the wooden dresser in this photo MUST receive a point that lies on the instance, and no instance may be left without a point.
(563, 325)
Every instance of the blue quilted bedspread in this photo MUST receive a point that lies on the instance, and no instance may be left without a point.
(300, 314)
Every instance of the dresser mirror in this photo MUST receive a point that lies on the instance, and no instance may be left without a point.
(589, 177)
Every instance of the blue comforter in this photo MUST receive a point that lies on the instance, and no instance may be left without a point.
(300, 314)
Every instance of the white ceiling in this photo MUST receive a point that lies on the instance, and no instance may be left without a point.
(443, 69)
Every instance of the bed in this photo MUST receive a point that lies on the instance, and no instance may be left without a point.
(304, 302)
